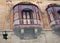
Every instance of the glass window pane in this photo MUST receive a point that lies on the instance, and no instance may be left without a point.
(38, 21)
(24, 21)
(20, 21)
(28, 21)
(35, 21)
(51, 17)
(37, 16)
(34, 15)
(52, 23)
(16, 9)
(24, 15)
(16, 16)
(28, 15)
(58, 21)
(16, 22)
(50, 11)
(36, 9)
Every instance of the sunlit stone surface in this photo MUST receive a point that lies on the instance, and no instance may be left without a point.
(44, 37)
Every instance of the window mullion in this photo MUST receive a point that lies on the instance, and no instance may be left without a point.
(18, 14)
(35, 20)
(26, 18)
(22, 18)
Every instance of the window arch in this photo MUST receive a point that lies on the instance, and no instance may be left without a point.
(26, 14)
(53, 11)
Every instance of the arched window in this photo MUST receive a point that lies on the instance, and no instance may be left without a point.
(26, 18)
(27, 14)
(53, 11)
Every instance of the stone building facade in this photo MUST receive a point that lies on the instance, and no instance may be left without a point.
(6, 15)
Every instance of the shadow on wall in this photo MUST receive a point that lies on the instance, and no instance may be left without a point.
(28, 33)
(57, 31)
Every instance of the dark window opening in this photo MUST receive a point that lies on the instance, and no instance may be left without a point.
(27, 16)
(58, 12)
(28, 12)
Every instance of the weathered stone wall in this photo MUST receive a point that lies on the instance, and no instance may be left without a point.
(44, 37)
(6, 12)
(6, 23)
